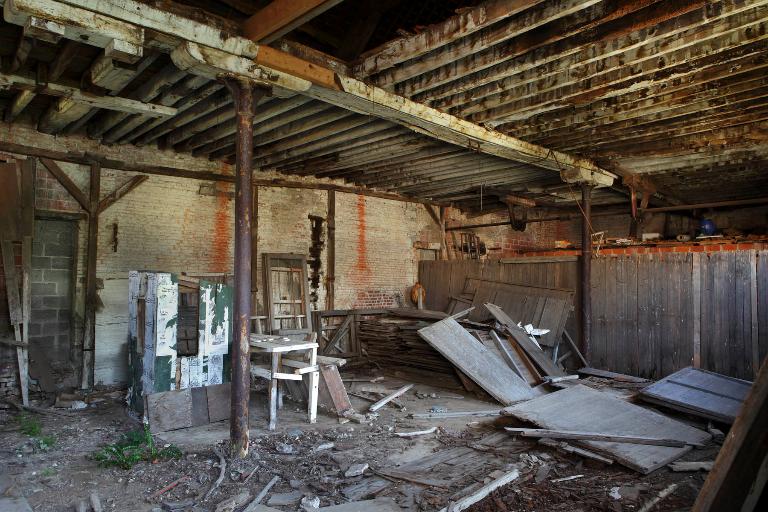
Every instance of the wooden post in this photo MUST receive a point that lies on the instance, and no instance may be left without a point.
(696, 284)
(755, 324)
(255, 258)
(243, 95)
(89, 332)
(586, 270)
(331, 252)
(444, 254)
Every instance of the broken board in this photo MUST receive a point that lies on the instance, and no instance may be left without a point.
(524, 342)
(699, 392)
(477, 362)
(583, 408)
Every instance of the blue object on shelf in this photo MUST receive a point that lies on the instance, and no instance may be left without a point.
(707, 227)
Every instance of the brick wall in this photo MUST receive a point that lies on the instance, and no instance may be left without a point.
(376, 263)
(183, 225)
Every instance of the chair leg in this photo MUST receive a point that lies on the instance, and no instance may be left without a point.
(314, 384)
(273, 395)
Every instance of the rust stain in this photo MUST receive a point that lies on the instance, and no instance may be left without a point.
(361, 265)
(222, 234)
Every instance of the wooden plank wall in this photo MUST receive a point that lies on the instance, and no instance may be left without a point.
(650, 311)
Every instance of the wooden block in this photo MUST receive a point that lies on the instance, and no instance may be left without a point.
(169, 410)
(219, 397)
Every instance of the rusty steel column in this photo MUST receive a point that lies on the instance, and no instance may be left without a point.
(243, 96)
(586, 270)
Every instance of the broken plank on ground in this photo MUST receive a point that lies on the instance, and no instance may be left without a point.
(476, 361)
(583, 408)
(596, 436)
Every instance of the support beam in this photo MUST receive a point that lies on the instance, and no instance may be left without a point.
(586, 270)
(330, 274)
(78, 96)
(91, 299)
(243, 96)
(66, 182)
(283, 71)
(281, 16)
(207, 51)
(60, 63)
(121, 192)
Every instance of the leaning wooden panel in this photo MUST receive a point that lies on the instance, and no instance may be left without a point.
(583, 408)
(699, 392)
(738, 478)
(476, 361)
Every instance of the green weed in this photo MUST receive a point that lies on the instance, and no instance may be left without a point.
(134, 447)
(29, 425)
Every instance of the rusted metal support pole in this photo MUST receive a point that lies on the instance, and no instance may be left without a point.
(586, 269)
(243, 96)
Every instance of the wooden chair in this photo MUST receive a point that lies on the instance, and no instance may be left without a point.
(302, 361)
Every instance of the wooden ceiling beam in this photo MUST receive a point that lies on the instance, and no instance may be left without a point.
(204, 50)
(168, 97)
(618, 82)
(493, 36)
(637, 104)
(74, 94)
(470, 80)
(151, 130)
(569, 25)
(365, 135)
(436, 36)
(281, 16)
(269, 117)
(345, 149)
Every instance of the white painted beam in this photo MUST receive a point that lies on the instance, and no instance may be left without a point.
(77, 96)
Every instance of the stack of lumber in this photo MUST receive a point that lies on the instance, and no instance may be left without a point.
(394, 341)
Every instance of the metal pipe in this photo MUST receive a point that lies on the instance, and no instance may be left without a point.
(243, 96)
(586, 270)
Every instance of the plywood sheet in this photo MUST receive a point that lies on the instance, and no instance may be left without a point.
(583, 408)
(699, 392)
(474, 359)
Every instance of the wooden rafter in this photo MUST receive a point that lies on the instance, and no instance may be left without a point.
(281, 16)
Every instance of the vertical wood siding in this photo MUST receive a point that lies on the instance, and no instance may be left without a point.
(648, 309)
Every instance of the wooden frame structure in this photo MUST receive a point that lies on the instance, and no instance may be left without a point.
(297, 265)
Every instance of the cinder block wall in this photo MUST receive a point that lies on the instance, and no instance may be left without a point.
(50, 324)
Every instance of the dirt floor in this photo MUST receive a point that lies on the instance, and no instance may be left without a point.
(55, 468)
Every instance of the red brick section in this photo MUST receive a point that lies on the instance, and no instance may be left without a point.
(639, 249)
(51, 195)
